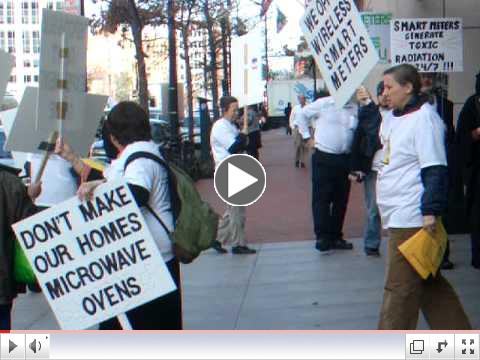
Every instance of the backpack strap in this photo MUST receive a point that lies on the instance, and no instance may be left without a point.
(171, 183)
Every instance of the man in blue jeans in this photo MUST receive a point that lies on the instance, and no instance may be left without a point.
(366, 162)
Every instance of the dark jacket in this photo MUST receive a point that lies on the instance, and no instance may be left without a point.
(15, 205)
(366, 140)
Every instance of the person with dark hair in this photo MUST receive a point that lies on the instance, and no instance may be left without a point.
(254, 134)
(225, 140)
(411, 195)
(366, 161)
(16, 203)
(128, 129)
(287, 111)
(468, 140)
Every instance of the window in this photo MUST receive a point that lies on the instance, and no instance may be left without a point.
(10, 18)
(2, 10)
(36, 42)
(11, 42)
(34, 12)
(50, 4)
(13, 79)
(35, 78)
(36, 63)
(27, 63)
(24, 12)
(2, 40)
(26, 42)
(27, 78)
(59, 5)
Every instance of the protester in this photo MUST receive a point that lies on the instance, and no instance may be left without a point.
(129, 131)
(366, 161)
(225, 140)
(411, 194)
(468, 139)
(16, 203)
(334, 131)
(301, 132)
(287, 112)
(254, 134)
(444, 107)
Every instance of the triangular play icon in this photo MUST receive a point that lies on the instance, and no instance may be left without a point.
(238, 180)
(11, 346)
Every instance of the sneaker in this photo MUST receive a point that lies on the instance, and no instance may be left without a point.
(372, 252)
(447, 265)
(243, 250)
(341, 244)
(218, 247)
(324, 247)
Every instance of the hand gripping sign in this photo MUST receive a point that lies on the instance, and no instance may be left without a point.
(340, 44)
(96, 259)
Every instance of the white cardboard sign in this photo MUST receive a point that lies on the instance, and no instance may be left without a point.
(79, 132)
(378, 26)
(94, 260)
(431, 44)
(6, 64)
(340, 44)
(248, 85)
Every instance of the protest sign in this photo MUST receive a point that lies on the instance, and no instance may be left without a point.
(94, 260)
(430, 44)
(6, 65)
(248, 85)
(340, 44)
(80, 132)
(378, 26)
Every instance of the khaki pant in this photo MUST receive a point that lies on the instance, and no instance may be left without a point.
(406, 293)
(231, 228)
(300, 146)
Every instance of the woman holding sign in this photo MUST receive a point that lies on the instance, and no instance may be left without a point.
(129, 133)
(411, 195)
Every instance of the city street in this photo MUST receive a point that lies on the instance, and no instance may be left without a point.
(287, 284)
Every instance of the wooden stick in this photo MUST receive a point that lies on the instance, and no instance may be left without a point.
(46, 156)
(61, 116)
(124, 322)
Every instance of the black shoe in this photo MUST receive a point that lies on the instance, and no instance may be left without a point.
(323, 246)
(341, 244)
(302, 165)
(218, 247)
(476, 265)
(243, 250)
(447, 265)
(297, 164)
(372, 252)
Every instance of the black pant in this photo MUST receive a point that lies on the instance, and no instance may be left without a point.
(330, 192)
(164, 313)
(6, 317)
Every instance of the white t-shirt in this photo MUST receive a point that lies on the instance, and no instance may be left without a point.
(334, 128)
(222, 137)
(153, 177)
(411, 142)
(58, 182)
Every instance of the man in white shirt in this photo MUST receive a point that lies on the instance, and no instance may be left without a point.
(301, 132)
(334, 131)
(225, 140)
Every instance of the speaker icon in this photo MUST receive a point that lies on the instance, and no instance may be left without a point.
(35, 346)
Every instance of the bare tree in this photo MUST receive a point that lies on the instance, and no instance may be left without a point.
(134, 16)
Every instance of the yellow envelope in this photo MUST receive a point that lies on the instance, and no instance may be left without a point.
(424, 251)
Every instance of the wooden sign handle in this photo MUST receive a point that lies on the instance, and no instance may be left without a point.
(52, 139)
(124, 322)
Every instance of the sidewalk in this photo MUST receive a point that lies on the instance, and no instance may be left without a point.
(286, 285)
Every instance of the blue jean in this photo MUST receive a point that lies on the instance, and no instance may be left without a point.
(6, 317)
(373, 229)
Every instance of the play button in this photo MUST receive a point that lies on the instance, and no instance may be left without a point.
(11, 346)
(240, 180)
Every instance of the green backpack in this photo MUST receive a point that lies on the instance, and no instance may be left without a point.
(196, 223)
